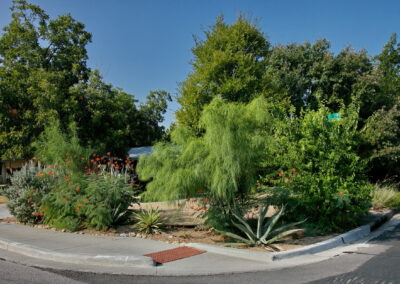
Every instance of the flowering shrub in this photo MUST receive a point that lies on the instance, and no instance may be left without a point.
(27, 189)
(88, 201)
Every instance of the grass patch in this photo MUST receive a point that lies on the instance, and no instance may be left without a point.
(385, 196)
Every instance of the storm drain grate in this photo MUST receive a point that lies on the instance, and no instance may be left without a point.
(174, 254)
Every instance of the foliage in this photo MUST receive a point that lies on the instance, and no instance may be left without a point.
(381, 145)
(149, 221)
(44, 74)
(27, 189)
(229, 62)
(57, 148)
(318, 165)
(93, 201)
(223, 162)
(265, 233)
(385, 196)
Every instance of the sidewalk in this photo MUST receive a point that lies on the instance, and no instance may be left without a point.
(125, 255)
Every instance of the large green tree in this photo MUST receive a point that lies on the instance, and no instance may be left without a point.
(40, 59)
(229, 62)
(44, 74)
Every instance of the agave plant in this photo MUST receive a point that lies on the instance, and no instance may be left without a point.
(149, 221)
(266, 233)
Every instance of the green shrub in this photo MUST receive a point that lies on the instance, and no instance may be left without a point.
(27, 190)
(385, 196)
(94, 201)
(320, 169)
(63, 150)
(149, 221)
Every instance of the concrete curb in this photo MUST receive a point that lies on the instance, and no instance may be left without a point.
(233, 252)
(102, 260)
(341, 240)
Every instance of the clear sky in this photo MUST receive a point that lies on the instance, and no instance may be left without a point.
(146, 45)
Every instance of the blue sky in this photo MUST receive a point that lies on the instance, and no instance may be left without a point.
(146, 45)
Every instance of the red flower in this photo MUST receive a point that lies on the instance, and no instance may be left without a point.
(77, 188)
(66, 199)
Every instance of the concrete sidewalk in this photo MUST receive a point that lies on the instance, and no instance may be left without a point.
(108, 254)
(4, 213)
(125, 255)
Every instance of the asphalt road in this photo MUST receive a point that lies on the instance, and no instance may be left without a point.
(378, 263)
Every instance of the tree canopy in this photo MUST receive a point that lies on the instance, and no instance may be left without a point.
(44, 74)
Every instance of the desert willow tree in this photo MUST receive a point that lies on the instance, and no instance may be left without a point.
(223, 162)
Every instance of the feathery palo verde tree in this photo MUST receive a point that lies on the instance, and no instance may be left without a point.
(223, 162)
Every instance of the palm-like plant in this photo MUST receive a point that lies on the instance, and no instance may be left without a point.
(266, 233)
(149, 221)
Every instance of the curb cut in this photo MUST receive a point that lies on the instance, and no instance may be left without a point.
(341, 240)
(103, 260)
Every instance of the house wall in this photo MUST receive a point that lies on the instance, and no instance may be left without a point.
(12, 166)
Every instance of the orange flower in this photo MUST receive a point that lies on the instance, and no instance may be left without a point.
(67, 177)
(80, 204)
(77, 188)
(30, 199)
(50, 173)
(66, 199)
(41, 175)
(85, 200)
(108, 153)
(341, 193)
(97, 159)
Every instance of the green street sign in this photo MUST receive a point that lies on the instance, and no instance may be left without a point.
(334, 116)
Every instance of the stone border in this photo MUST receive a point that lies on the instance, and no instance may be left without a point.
(341, 240)
(102, 260)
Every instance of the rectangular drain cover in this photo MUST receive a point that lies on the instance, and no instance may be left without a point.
(174, 254)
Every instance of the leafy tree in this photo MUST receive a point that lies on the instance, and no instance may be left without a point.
(311, 75)
(40, 58)
(230, 63)
(152, 115)
(44, 75)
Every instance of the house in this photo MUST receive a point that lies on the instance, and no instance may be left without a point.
(135, 153)
(7, 167)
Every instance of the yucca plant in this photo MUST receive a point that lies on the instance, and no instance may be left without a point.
(266, 233)
(149, 221)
